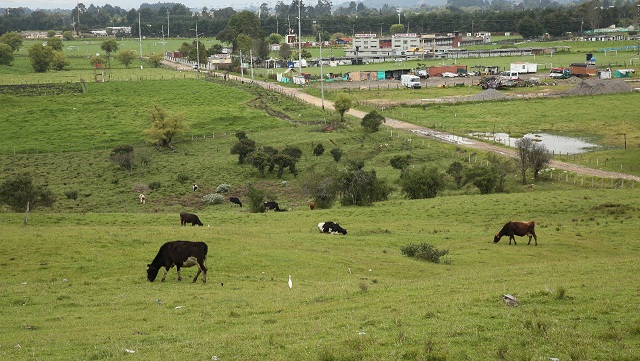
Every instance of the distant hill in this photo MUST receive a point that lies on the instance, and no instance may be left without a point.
(403, 4)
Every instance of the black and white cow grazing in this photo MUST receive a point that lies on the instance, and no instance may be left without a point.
(143, 199)
(179, 254)
(195, 187)
(235, 200)
(189, 218)
(271, 205)
(331, 228)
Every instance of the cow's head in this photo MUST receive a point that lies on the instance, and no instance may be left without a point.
(152, 272)
(496, 239)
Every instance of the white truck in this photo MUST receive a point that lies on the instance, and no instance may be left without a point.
(410, 81)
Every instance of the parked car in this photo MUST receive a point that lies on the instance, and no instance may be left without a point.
(448, 74)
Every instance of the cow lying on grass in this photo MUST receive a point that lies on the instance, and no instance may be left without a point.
(520, 229)
(179, 254)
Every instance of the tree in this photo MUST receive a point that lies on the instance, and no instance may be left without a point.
(482, 177)
(41, 57)
(360, 187)
(19, 190)
(13, 39)
(6, 54)
(501, 166)
(261, 49)
(529, 28)
(396, 29)
(59, 61)
(422, 183)
(164, 127)
(126, 57)
(539, 158)
(455, 170)
(245, 22)
(155, 60)
(322, 186)
(51, 33)
(285, 52)
(55, 43)
(522, 148)
(67, 35)
(109, 46)
(96, 59)
(400, 162)
(243, 44)
(372, 121)
(243, 148)
(342, 105)
(274, 38)
(260, 159)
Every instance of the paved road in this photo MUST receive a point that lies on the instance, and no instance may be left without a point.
(431, 133)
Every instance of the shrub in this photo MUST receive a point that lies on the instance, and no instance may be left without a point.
(360, 187)
(336, 153)
(71, 194)
(424, 251)
(372, 121)
(322, 186)
(422, 183)
(122, 155)
(154, 185)
(318, 150)
(223, 188)
(256, 199)
(19, 190)
(213, 198)
(183, 178)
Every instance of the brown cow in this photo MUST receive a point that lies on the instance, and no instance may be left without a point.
(520, 229)
(312, 205)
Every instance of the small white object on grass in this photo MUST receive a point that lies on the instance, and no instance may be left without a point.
(129, 351)
(290, 282)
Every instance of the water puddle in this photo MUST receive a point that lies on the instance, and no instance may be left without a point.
(556, 144)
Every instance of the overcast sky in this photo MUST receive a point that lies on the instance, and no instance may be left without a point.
(129, 4)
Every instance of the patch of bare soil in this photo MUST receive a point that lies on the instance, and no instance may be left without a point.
(600, 86)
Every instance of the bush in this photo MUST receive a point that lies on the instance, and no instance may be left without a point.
(424, 251)
(213, 198)
(256, 199)
(122, 155)
(223, 188)
(183, 178)
(318, 150)
(422, 183)
(336, 153)
(19, 190)
(154, 185)
(321, 186)
(372, 121)
(71, 194)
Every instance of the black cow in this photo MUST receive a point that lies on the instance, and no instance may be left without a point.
(235, 200)
(271, 205)
(189, 218)
(331, 228)
(520, 229)
(179, 254)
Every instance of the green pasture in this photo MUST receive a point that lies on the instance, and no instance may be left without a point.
(74, 285)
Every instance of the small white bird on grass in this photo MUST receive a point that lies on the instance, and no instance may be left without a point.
(290, 282)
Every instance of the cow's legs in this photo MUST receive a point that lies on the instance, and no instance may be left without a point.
(166, 270)
(514, 240)
(179, 274)
(201, 269)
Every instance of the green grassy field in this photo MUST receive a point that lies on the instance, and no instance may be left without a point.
(74, 284)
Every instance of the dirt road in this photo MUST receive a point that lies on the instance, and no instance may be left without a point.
(431, 133)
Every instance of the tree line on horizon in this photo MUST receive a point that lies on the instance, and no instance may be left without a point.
(530, 19)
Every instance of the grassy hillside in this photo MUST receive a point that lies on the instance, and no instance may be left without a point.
(80, 291)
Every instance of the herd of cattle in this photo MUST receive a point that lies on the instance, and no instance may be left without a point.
(186, 253)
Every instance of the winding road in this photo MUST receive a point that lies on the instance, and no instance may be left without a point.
(431, 133)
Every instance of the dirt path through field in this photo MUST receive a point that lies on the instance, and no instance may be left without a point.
(431, 133)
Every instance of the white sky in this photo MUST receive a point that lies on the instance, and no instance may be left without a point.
(128, 4)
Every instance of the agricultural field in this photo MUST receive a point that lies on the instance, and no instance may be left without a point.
(75, 282)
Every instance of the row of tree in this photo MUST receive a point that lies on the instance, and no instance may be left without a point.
(532, 18)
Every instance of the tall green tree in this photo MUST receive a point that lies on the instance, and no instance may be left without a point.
(19, 190)
(6, 54)
(109, 46)
(164, 128)
(342, 105)
(41, 57)
(244, 22)
(13, 39)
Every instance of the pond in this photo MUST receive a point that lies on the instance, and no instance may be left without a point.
(556, 144)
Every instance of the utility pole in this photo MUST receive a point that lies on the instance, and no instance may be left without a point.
(140, 34)
(168, 34)
(299, 39)
(321, 75)
(197, 48)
